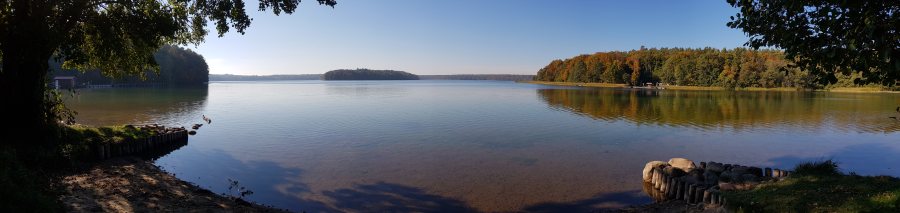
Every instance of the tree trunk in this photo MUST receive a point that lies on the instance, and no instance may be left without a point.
(26, 49)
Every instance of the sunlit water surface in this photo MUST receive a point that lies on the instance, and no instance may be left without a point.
(485, 145)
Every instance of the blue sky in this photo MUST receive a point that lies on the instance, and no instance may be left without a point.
(461, 36)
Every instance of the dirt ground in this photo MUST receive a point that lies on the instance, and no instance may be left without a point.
(134, 185)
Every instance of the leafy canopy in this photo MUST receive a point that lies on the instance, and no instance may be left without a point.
(120, 36)
(828, 36)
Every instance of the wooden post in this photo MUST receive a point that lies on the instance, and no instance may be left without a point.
(653, 180)
(665, 183)
(707, 195)
(698, 195)
(659, 178)
(689, 194)
(679, 190)
(670, 187)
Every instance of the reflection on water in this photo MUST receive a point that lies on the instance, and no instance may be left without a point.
(482, 145)
(117, 106)
(794, 111)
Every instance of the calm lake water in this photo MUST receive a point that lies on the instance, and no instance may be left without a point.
(486, 145)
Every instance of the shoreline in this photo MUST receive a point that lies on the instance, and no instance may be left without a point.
(130, 184)
(714, 88)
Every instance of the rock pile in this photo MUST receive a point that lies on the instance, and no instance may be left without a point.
(682, 179)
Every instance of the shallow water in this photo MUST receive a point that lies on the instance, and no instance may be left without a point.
(486, 145)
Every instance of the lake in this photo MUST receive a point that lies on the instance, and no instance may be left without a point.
(320, 146)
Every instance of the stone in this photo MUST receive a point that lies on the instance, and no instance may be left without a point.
(710, 178)
(672, 171)
(715, 167)
(683, 164)
(749, 177)
(649, 167)
(756, 171)
(728, 176)
(726, 186)
(697, 174)
(689, 179)
(741, 170)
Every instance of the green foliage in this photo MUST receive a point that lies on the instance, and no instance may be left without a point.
(367, 74)
(116, 37)
(828, 37)
(819, 168)
(492, 77)
(177, 66)
(230, 77)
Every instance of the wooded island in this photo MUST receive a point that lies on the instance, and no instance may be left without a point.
(367, 74)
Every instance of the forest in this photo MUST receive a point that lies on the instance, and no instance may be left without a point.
(734, 68)
(490, 77)
(367, 74)
(230, 77)
(177, 66)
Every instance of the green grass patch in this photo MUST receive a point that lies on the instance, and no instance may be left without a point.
(78, 139)
(820, 187)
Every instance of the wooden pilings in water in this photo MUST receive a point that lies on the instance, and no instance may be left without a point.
(109, 150)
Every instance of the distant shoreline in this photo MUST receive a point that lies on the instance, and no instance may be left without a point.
(490, 77)
(703, 88)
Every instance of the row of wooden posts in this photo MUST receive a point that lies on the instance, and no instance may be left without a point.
(667, 187)
(109, 150)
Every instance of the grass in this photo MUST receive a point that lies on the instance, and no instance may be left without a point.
(78, 139)
(28, 174)
(820, 187)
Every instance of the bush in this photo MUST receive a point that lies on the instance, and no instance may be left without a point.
(817, 168)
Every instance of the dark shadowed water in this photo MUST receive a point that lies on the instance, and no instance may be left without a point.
(375, 146)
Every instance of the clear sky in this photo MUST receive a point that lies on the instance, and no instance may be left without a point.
(461, 36)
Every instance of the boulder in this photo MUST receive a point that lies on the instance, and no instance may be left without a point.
(683, 164)
(728, 176)
(726, 186)
(749, 178)
(674, 172)
(715, 167)
(690, 179)
(710, 178)
(650, 165)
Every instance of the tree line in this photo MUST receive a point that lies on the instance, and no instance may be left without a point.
(491, 77)
(729, 68)
(231, 77)
(367, 74)
(177, 66)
